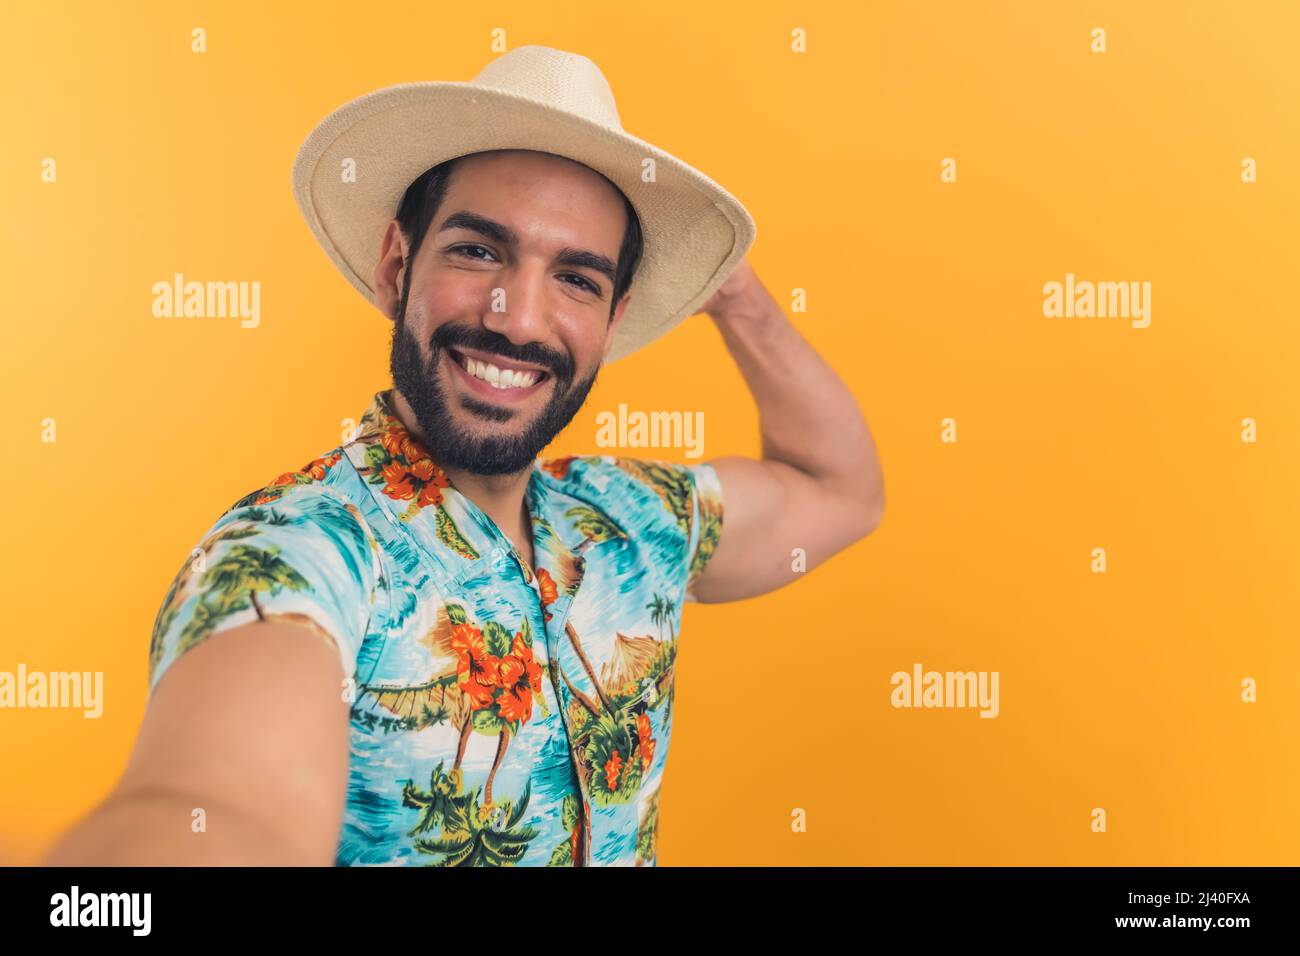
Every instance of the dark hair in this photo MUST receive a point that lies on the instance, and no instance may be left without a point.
(424, 196)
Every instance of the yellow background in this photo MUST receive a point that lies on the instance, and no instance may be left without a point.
(1118, 690)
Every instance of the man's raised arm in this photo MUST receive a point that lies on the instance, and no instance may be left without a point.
(818, 486)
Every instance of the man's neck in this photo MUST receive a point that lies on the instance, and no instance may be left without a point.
(500, 497)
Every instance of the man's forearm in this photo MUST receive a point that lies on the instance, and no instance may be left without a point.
(808, 416)
(154, 828)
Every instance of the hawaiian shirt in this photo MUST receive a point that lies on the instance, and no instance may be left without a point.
(501, 714)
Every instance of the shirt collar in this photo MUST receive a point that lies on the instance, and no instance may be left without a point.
(418, 494)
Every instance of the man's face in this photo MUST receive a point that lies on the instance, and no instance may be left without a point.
(496, 292)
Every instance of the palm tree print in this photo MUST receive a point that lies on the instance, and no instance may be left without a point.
(234, 582)
(710, 535)
(473, 834)
(206, 617)
(595, 525)
(183, 580)
(586, 665)
(669, 607)
(245, 570)
(492, 691)
(414, 707)
(614, 742)
(656, 609)
(647, 830)
(571, 852)
(437, 804)
(229, 586)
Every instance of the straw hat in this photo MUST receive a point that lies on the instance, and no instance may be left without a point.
(533, 97)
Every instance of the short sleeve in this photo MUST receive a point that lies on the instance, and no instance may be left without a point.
(306, 557)
(706, 522)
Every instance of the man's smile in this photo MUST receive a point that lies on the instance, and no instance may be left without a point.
(499, 380)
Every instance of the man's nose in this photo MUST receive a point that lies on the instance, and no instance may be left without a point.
(517, 308)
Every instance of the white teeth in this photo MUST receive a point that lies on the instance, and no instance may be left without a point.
(500, 378)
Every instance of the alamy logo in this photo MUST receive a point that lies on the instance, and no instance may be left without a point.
(102, 909)
(946, 689)
(651, 430)
(70, 689)
(208, 300)
(1098, 300)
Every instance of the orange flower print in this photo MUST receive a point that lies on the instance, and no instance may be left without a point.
(431, 493)
(525, 653)
(645, 742)
(612, 766)
(393, 438)
(477, 671)
(479, 695)
(516, 703)
(559, 467)
(521, 676)
(549, 591)
(314, 470)
(397, 481)
(397, 441)
(412, 450)
(422, 468)
(430, 496)
(412, 473)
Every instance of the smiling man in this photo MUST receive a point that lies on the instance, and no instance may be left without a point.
(507, 626)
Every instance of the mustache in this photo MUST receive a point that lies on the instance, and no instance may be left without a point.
(485, 340)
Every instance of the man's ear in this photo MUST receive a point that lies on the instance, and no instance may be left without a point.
(388, 273)
(613, 324)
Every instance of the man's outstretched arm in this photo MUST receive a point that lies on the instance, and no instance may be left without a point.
(818, 485)
(251, 728)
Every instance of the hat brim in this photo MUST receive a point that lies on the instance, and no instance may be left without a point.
(694, 231)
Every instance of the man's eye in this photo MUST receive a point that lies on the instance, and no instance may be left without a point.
(584, 282)
(462, 250)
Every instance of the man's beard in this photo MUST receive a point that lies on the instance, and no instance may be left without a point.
(445, 440)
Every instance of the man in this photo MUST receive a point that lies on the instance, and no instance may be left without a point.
(507, 627)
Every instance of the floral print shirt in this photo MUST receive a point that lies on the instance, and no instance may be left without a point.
(501, 714)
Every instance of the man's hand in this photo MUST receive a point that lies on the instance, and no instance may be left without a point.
(740, 291)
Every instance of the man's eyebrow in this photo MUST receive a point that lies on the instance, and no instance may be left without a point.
(590, 260)
(499, 232)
